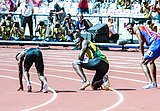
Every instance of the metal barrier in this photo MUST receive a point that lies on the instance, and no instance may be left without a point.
(100, 17)
(104, 45)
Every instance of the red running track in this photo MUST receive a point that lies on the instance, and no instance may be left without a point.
(126, 77)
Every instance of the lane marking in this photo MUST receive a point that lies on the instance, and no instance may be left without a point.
(54, 95)
(68, 64)
(121, 97)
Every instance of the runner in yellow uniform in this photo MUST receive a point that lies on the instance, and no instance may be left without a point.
(91, 58)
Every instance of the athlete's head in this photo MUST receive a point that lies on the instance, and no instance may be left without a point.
(78, 38)
(130, 28)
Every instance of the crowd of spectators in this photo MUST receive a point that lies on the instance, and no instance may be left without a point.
(61, 25)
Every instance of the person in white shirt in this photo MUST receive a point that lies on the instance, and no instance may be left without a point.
(113, 35)
(27, 9)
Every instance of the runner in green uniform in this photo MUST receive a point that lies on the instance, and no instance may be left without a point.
(91, 58)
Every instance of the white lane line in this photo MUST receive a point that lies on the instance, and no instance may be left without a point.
(126, 72)
(111, 107)
(68, 64)
(121, 98)
(54, 94)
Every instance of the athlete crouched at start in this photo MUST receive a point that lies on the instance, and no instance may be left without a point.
(91, 58)
(27, 57)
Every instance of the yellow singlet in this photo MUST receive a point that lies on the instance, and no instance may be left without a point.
(93, 52)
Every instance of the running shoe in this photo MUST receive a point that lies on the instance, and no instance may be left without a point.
(45, 88)
(29, 88)
(106, 83)
(84, 85)
(154, 85)
(150, 85)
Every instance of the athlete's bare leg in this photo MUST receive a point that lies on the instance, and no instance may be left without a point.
(79, 70)
(81, 74)
(153, 71)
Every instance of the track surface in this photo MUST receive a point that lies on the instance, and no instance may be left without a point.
(126, 77)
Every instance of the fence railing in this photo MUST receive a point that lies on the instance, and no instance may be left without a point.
(119, 21)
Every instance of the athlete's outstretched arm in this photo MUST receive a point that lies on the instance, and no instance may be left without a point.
(20, 77)
(83, 49)
(20, 69)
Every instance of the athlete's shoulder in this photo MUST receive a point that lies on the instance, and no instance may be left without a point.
(142, 27)
(137, 29)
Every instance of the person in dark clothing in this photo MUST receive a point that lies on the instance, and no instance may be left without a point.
(59, 12)
(27, 57)
(83, 24)
(91, 58)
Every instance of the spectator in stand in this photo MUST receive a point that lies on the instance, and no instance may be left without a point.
(102, 1)
(17, 32)
(2, 19)
(59, 12)
(49, 33)
(156, 18)
(127, 4)
(120, 4)
(139, 1)
(41, 29)
(56, 33)
(83, 6)
(17, 3)
(3, 7)
(69, 27)
(11, 5)
(113, 36)
(82, 23)
(36, 3)
(7, 24)
(156, 8)
(146, 9)
(27, 9)
(1, 33)
(151, 25)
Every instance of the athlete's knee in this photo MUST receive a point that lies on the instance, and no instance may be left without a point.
(42, 77)
(151, 62)
(144, 61)
(75, 63)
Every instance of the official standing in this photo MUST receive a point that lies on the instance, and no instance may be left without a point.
(27, 10)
